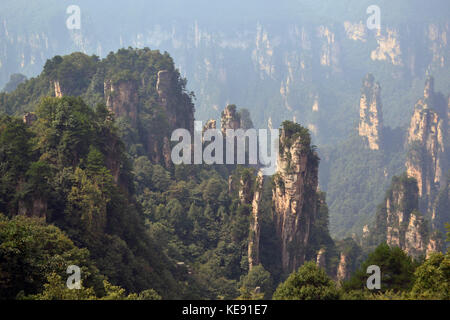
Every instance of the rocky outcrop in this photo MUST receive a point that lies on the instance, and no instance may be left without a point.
(57, 89)
(388, 47)
(343, 271)
(371, 117)
(329, 54)
(210, 124)
(254, 236)
(122, 99)
(29, 118)
(355, 31)
(230, 119)
(399, 222)
(250, 194)
(321, 258)
(427, 141)
(295, 197)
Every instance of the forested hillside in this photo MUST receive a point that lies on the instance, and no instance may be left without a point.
(86, 179)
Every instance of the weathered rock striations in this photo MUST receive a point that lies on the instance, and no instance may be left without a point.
(230, 119)
(250, 194)
(399, 222)
(254, 236)
(122, 99)
(295, 199)
(321, 258)
(427, 141)
(210, 124)
(343, 268)
(371, 117)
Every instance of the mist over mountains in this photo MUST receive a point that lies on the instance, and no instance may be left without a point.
(87, 112)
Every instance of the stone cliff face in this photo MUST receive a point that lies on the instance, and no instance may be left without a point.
(250, 193)
(57, 87)
(152, 112)
(427, 159)
(210, 124)
(295, 195)
(371, 117)
(122, 99)
(343, 268)
(230, 119)
(179, 108)
(321, 259)
(292, 53)
(399, 222)
(388, 47)
(253, 243)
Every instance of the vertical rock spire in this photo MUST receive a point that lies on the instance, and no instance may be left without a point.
(371, 117)
(295, 198)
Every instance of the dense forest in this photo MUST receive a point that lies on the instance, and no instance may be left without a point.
(86, 180)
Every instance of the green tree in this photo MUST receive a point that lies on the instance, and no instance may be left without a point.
(258, 280)
(309, 282)
(397, 270)
(30, 251)
(432, 278)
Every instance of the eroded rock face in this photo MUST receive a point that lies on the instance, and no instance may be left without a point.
(371, 117)
(210, 124)
(321, 259)
(388, 47)
(179, 108)
(427, 159)
(57, 87)
(295, 196)
(253, 243)
(122, 99)
(402, 223)
(355, 31)
(230, 119)
(250, 193)
(343, 268)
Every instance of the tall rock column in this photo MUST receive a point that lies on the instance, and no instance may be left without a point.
(250, 194)
(399, 222)
(253, 242)
(427, 159)
(371, 117)
(426, 135)
(295, 194)
(230, 119)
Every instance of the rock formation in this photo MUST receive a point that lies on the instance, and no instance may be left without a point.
(343, 268)
(230, 119)
(122, 99)
(399, 222)
(57, 87)
(253, 243)
(250, 193)
(321, 259)
(371, 117)
(210, 124)
(427, 141)
(295, 197)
